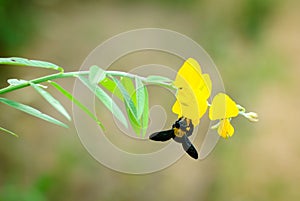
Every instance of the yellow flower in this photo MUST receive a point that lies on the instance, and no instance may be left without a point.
(225, 128)
(223, 108)
(194, 89)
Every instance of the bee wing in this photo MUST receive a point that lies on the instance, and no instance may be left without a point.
(189, 147)
(162, 135)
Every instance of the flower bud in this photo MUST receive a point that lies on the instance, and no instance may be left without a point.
(252, 116)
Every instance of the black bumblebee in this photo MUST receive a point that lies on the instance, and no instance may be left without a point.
(181, 130)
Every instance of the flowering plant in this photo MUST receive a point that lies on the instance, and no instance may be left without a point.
(193, 89)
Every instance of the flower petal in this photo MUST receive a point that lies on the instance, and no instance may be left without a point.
(206, 87)
(222, 107)
(190, 72)
(190, 112)
(225, 129)
(194, 89)
(176, 109)
(201, 104)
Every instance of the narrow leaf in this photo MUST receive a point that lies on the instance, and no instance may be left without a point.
(96, 74)
(128, 101)
(133, 122)
(76, 102)
(8, 131)
(17, 61)
(129, 86)
(140, 97)
(158, 79)
(145, 116)
(111, 87)
(32, 111)
(54, 102)
(141, 125)
(106, 100)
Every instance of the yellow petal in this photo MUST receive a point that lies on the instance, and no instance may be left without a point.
(201, 104)
(222, 107)
(190, 104)
(225, 129)
(191, 63)
(189, 73)
(206, 88)
(194, 89)
(176, 109)
(186, 111)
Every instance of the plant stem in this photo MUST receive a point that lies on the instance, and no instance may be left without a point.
(43, 79)
(68, 75)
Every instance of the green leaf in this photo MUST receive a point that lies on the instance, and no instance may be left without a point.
(76, 102)
(8, 131)
(133, 122)
(145, 116)
(96, 74)
(54, 102)
(158, 79)
(141, 125)
(128, 101)
(106, 100)
(129, 86)
(17, 61)
(32, 111)
(112, 87)
(140, 97)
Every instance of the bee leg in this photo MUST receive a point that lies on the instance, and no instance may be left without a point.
(162, 135)
(189, 147)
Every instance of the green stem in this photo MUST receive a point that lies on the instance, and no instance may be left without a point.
(124, 74)
(68, 75)
(42, 79)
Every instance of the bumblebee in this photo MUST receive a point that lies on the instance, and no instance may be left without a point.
(181, 130)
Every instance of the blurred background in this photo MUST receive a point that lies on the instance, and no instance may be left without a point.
(255, 45)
